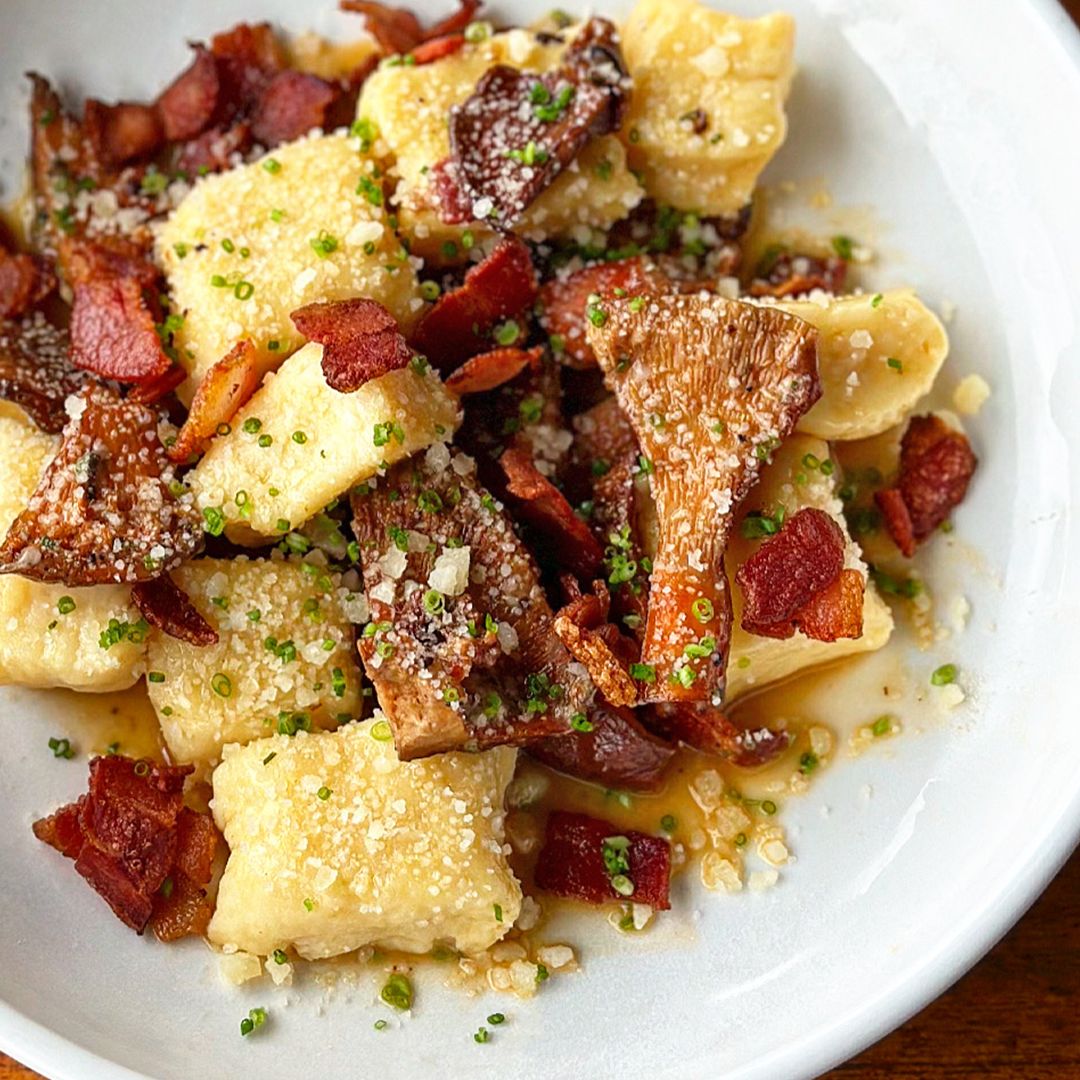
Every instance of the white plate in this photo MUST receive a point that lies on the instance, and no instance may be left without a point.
(957, 123)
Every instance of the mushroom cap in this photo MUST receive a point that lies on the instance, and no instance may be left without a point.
(711, 388)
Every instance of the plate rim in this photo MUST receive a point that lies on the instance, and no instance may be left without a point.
(49, 1052)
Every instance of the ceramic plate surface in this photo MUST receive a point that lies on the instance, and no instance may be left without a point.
(956, 124)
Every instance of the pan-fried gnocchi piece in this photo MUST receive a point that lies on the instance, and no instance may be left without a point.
(801, 475)
(408, 107)
(877, 355)
(707, 111)
(335, 844)
(285, 654)
(298, 444)
(312, 221)
(51, 635)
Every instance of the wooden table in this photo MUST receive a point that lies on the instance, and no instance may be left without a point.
(1015, 1016)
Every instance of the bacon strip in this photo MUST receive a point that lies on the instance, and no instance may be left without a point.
(184, 908)
(583, 627)
(103, 510)
(122, 133)
(490, 370)
(835, 612)
(165, 606)
(188, 104)
(292, 104)
(459, 324)
(220, 396)
(564, 301)
(605, 472)
(936, 465)
(104, 258)
(438, 49)
(616, 752)
(788, 571)
(148, 393)
(113, 333)
(546, 508)
(398, 30)
(572, 864)
(554, 114)
(360, 341)
(128, 832)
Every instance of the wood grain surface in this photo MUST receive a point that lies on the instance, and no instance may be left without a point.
(1015, 1016)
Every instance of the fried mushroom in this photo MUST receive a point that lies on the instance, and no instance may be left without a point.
(711, 387)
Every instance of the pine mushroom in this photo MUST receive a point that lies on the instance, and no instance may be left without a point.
(711, 388)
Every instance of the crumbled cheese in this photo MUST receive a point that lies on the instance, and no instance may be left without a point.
(970, 395)
(450, 574)
(239, 967)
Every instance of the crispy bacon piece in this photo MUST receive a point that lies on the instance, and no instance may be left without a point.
(129, 824)
(122, 133)
(113, 333)
(490, 370)
(184, 911)
(835, 612)
(455, 23)
(292, 104)
(476, 664)
(616, 751)
(103, 258)
(576, 861)
(525, 412)
(545, 507)
(164, 605)
(398, 30)
(248, 57)
(553, 114)
(360, 340)
(220, 396)
(62, 829)
(188, 104)
(788, 571)
(102, 510)
(565, 300)
(936, 465)
(34, 370)
(605, 471)
(148, 393)
(783, 273)
(438, 48)
(25, 280)
(727, 382)
(583, 627)
(452, 201)
(459, 324)
(181, 906)
(196, 845)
